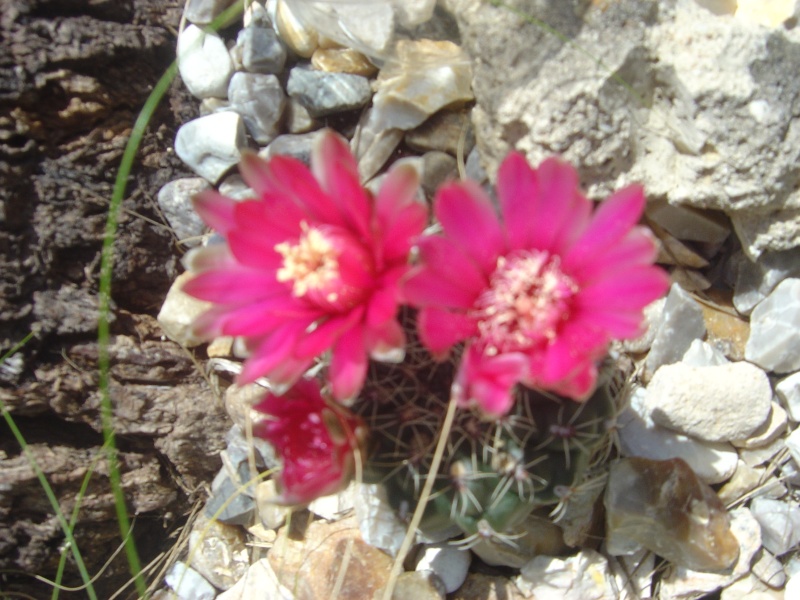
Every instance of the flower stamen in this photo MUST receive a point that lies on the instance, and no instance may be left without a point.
(527, 300)
(310, 264)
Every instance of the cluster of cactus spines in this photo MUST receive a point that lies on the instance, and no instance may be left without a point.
(494, 473)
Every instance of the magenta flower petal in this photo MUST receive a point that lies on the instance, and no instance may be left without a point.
(399, 218)
(440, 329)
(426, 287)
(630, 289)
(309, 265)
(558, 186)
(336, 169)
(487, 381)
(443, 258)
(233, 286)
(636, 248)
(215, 209)
(315, 342)
(515, 180)
(469, 220)
(293, 181)
(254, 250)
(556, 282)
(255, 318)
(386, 342)
(274, 356)
(611, 222)
(315, 442)
(348, 364)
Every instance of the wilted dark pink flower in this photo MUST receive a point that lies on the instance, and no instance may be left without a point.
(538, 292)
(312, 264)
(315, 442)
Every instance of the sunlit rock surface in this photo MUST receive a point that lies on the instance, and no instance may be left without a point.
(666, 508)
(424, 77)
(774, 342)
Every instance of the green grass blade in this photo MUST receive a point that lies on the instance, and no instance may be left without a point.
(103, 331)
(66, 527)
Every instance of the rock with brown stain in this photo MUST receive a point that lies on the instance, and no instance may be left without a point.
(666, 508)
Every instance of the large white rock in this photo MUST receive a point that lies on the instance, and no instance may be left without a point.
(788, 390)
(780, 524)
(709, 124)
(681, 323)
(585, 576)
(755, 280)
(713, 462)
(212, 144)
(716, 403)
(204, 63)
(260, 581)
(774, 341)
(188, 584)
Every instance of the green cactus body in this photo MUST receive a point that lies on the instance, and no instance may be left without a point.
(493, 473)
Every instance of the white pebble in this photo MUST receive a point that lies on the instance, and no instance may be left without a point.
(188, 584)
(780, 524)
(716, 403)
(774, 341)
(204, 63)
(212, 144)
(448, 562)
(788, 390)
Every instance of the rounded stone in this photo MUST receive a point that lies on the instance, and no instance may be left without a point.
(204, 63)
(774, 341)
(715, 403)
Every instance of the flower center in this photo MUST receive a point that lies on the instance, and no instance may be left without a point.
(311, 264)
(527, 300)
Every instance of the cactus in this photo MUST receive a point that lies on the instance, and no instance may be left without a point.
(494, 473)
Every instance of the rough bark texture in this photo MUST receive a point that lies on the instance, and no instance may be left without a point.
(73, 76)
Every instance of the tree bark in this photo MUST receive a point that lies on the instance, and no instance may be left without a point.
(73, 77)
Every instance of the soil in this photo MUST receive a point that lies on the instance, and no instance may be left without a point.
(73, 77)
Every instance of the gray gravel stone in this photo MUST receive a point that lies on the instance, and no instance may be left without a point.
(780, 524)
(175, 202)
(681, 322)
(262, 51)
(774, 341)
(202, 12)
(324, 93)
(260, 100)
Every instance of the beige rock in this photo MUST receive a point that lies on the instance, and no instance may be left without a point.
(179, 312)
(772, 13)
(665, 507)
(218, 552)
(447, 131)
(418, 585)
(726, 330)
(272, 515)
(487, 587)
(768, 432)
(302, 40)
(425, 77)
(221, 347)
(260, 581)
(311, 564)
(343, 60)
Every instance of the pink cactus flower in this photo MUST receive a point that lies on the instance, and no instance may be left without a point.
(537, 293)
(315, 442)
(312, 264)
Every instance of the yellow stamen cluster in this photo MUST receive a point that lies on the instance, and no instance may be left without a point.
(310, 264)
